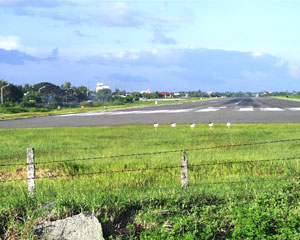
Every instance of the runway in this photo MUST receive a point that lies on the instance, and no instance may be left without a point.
(235, 110)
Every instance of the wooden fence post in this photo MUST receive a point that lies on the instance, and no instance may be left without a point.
(30, 171)
(184, 172)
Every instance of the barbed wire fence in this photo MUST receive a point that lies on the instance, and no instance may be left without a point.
(184, 166)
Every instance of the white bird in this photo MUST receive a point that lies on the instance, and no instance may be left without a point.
(173, 125)
(210, 124)
(228, 124)
(155, 125)
(192, 125)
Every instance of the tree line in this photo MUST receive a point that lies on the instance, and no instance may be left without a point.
(48, 94)
(42, 93)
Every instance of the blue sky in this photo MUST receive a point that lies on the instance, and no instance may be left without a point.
(212, 45)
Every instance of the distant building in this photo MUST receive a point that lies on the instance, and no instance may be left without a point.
(166, 94)
(101, 86)
(147, 92)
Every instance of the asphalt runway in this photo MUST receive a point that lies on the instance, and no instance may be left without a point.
(234, 110)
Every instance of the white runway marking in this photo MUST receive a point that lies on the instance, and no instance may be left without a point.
(210, 109)
(204, 110)
(125, 113)
(294, 109)
(238, 102)
(148, 112)
(271, 109)
(248, 109)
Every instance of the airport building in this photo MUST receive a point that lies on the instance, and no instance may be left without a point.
(101, 86)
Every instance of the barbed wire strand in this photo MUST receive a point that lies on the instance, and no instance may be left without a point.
(151, 153)
(115, 171)
(249, 181)
(291, 178)
(171, 151)
(241, 162)
(94, 173)
(190, 166)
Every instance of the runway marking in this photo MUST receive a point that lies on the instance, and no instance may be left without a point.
(271, 109)
(124, 113)
(294, 109)
(150, 111)
(238, 102)
(209, 109)
(204, 110)
(248, 109)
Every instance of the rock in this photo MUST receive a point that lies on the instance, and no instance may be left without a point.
(78, 227)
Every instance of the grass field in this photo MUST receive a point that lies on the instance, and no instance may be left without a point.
(19, 112)
(235, 192)
(290, 97)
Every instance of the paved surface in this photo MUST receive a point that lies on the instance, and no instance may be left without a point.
(235, 110)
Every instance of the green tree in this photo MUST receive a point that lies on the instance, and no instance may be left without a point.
(12, 93)
(49, 92)
(80, 93)
(104, 95)
(66, 86)
(136, 96)
(27, 87)
(31, 99)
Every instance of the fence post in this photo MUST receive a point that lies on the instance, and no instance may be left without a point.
(184, 171)
(30, 171)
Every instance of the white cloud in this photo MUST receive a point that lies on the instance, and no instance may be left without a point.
(257, 54)
(14, 43)
(120, 14)
(9, 42)
(293, 70)
(171, 69)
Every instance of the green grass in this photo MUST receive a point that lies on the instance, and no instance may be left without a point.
(139, 204)
(20, 112)
(290, 97)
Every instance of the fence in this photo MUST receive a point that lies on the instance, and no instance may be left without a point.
(184, 165)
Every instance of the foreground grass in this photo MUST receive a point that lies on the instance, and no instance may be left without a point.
(225, 200)
(36, 112)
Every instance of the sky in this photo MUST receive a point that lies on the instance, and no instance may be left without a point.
(135, 45)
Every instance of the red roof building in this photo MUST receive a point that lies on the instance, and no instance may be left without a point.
(166, 94)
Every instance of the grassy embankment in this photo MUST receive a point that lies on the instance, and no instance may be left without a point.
(20, 112)
(150, 204)
(290, 97)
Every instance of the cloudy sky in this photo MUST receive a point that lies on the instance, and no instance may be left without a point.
(212, 45)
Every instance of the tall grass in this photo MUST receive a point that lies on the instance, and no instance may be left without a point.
(216, 177)
(98, 146)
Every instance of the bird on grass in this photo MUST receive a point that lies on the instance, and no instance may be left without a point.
(173, 125)
(192, 125)
(210, 124)
(228, 124)
(155, 125)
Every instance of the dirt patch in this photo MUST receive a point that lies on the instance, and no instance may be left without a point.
(21, 174)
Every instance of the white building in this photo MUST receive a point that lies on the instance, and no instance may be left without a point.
(101, 86)
(147, 91)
